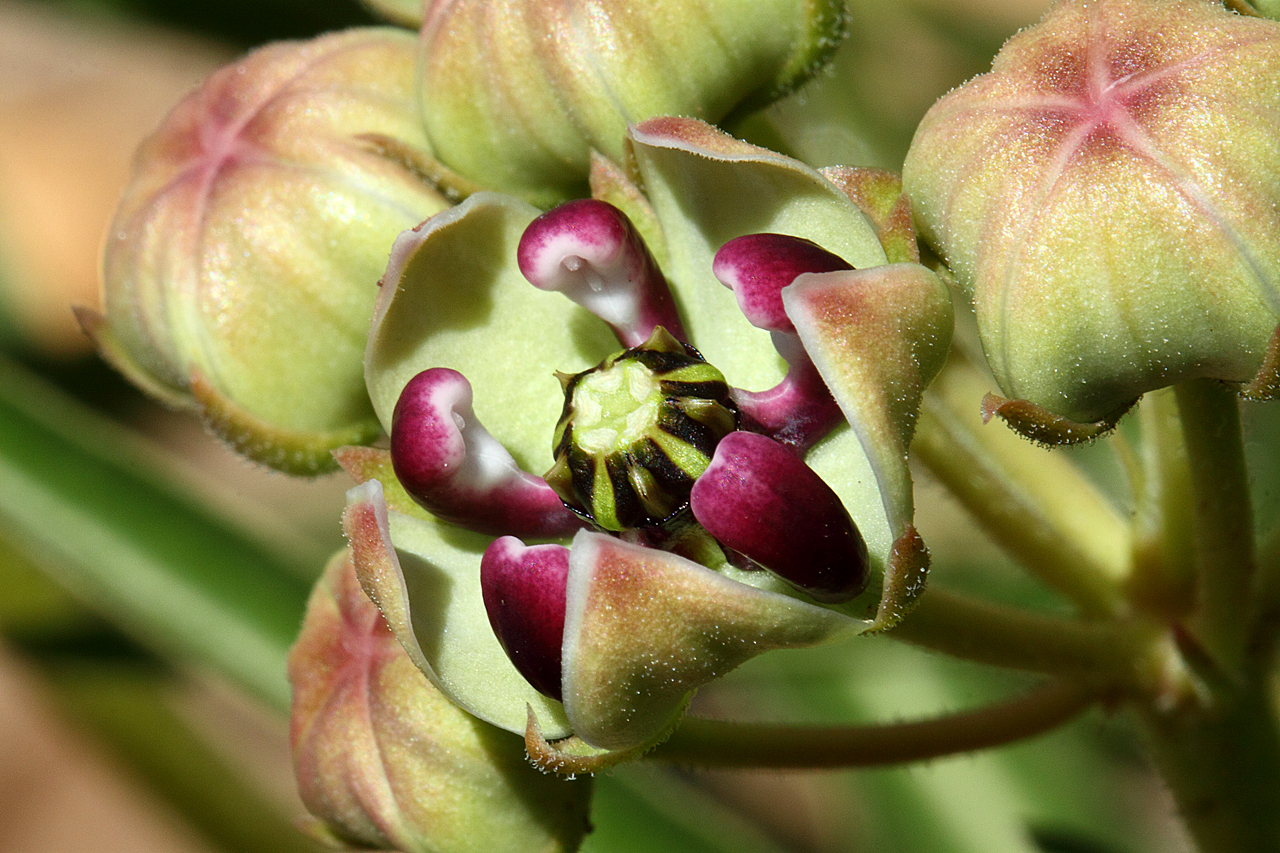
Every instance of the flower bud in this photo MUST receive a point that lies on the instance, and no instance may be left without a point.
(516, 93)
(385, 761)
(1107, 194)
(241, 268)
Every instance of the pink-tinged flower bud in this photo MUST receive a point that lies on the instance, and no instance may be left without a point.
(758, 498)
(1108, 196)
(517, 93)
(385, 761)
(523, 590)
(242, 266)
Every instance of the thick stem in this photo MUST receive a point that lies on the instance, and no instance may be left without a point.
(1222, 762)
(713, 743)
(1226, 561)
(1033, 503)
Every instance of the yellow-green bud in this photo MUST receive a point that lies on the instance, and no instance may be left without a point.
(385, 761)
(1108, 195)
(516, 93)
(242, 265)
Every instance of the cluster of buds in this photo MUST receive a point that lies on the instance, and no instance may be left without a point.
(717, 359)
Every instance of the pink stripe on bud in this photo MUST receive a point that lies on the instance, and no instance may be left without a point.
(758, 498)
(799, 410)
(589, 251)
(524, 595)
(450, 464)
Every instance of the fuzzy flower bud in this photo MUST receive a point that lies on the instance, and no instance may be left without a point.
(385, 761)
(241, 268)
(516, 93)
(1108, 196)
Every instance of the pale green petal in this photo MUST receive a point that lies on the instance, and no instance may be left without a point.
(454, 297)
(644, 628)
(428, 588)
(709, 188)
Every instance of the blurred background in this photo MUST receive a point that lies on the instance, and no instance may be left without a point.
(119, 731)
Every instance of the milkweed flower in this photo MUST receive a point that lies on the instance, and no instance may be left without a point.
(635, 442)
(1108, 196)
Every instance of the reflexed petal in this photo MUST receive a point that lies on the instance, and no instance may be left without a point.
(760, 499)
(450, 464)
(644, 628)
(709, 188)
(427, 585)
(454, 297)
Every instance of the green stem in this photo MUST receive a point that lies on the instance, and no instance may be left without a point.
(1225, 557)
(1114, 651)
(1222, 762)
(1164, 562)
(1036, 505)
(714, 743)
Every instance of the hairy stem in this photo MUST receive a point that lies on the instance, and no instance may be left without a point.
(714, 743)
(1134, 653)
(1226, 560)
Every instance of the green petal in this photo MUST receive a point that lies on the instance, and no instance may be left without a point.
(454, 297)
(878, 337)
(644, 628)
(708, 188)
(428, 589)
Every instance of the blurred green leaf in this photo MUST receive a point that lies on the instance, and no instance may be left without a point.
(78, 493)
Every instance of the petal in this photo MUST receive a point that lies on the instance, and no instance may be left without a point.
(454, 297)
(427, 585)
(644, 628)
(708, 188)
(878, 337)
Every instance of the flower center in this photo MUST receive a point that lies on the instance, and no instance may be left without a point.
(636, 431)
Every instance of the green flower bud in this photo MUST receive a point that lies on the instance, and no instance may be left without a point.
(241, 268)
(516, 93)
(636, 431)
(385, 761)
(1108, 195)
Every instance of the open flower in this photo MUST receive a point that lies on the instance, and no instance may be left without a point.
(636, 442)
